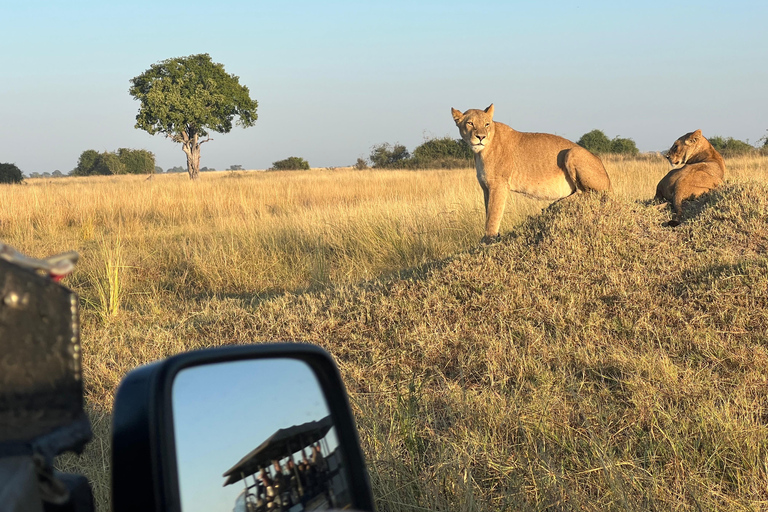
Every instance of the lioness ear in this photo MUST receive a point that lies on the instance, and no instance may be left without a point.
(489, 110)
(696, 135)
(457, 115)
(692, 138)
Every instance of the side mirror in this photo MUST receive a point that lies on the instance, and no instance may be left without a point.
(242, 428)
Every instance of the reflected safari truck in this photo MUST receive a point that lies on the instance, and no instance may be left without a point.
(243, 428)
(284, 477)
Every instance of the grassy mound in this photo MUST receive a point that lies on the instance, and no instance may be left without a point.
(591, 360)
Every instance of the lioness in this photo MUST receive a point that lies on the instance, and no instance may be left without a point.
(539, 165)
(702, 170)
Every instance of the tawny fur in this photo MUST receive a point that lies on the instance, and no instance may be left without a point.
(702, 170)
(539, 165)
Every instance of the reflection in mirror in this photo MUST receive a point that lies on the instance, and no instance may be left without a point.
(256, 435)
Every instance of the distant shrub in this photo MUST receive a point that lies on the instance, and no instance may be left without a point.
(438, 153)
(137, 161)
(236, 167)
(598, 143)
(122, 161)
(108, 163)
(728, 146)
(595, 141)
(292, 163)
(9, 173)
(621, 146)
(764, 147)
(442, 153)
(85, 163)
(361, 164)
(386, 156)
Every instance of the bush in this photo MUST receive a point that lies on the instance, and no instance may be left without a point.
(292, 163)
(122, 161)
(728, 146)
(443, 153)
(621, 146)
(386, 156)
(598, 143)
(137, 161)
(85, 163)
(764, 140)
(595, 141)
(9, 173)
(108, 163)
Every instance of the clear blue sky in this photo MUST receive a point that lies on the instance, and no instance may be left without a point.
(334, 78)
(223, 411)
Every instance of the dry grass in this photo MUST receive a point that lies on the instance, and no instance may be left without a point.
(591, 360)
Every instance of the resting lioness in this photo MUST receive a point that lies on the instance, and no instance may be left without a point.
(540, 165)
(702, 170)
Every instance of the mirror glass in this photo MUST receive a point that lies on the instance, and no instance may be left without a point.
(256, 435)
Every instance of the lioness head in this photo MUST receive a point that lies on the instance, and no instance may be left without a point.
(685, 147)
(475, 127)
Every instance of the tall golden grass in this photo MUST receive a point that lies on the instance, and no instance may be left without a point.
(169, 265)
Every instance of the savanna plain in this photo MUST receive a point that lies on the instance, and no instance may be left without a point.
(593, 359)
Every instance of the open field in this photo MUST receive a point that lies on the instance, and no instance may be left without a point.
(592, 360)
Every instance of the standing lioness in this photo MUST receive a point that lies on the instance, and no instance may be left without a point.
(540, 165)
(702, 170)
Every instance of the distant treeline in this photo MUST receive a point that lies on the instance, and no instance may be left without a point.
(122, 161)
(448, 153)
(442, 153)
(436, 153)
(178, 168)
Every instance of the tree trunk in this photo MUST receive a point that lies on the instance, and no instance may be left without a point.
(192, 148)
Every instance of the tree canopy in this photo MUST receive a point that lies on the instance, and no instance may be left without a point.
(387, 156)
(436, 153)
(728, 146)
(186, 97)
(595, 141)
(9, 173)
(442, 153)
(598, 142)
(123, 161)
(292, 163)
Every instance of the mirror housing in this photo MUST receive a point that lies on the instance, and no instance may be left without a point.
(144, 457)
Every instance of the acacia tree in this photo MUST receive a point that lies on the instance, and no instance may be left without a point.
(186, 97)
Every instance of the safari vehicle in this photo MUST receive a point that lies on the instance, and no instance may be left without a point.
(180, 423)
(316, 483)
(185, 429)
